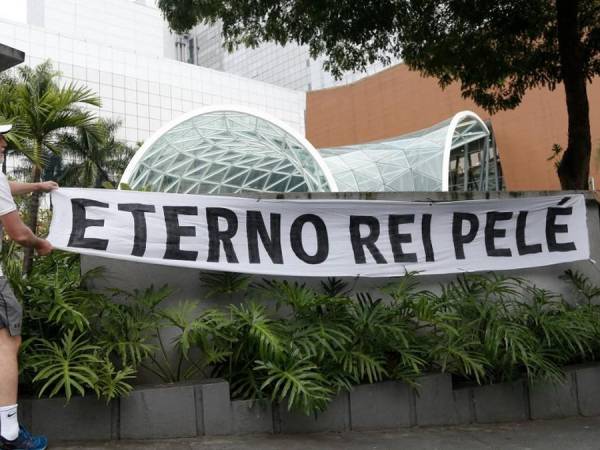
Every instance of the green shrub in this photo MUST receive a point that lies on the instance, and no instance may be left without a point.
(75, 340)
(290, 343)
(310, 344)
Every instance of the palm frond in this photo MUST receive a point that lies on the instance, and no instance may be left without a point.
(66, 368)
(585, 289)
(298, 383)
(224, 283)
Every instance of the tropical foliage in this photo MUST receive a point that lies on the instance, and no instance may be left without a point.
(57, 136)
(40, 108)
(291, 343)
(77, 340)
(93, 158)
(311, 343)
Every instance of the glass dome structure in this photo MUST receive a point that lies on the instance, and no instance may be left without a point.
(233, 149)
(419, 161)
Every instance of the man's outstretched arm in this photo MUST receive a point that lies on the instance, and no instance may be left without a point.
(18, 188)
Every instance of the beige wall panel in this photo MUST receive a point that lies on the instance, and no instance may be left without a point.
(398, 101)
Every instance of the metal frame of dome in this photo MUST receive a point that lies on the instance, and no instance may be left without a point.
(138, 157)
(448, 145)
(418, 161)
(463, 128)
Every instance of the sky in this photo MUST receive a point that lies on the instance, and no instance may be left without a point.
(15, 10)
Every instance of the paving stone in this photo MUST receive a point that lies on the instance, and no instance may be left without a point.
(158, 413)
(588, 390)
(503, 402)
(381, 405)
(216, 407)
(552, 400)
(335, 418)
(434, 402)
(251, 417)
(575, 433)
(83, 418)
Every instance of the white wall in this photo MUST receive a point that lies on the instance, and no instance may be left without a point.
(115, 47)
(290, 66)
(113, 23)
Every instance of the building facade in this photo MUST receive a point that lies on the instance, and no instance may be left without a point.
(116, 48)
(290, 66)
(398, 101)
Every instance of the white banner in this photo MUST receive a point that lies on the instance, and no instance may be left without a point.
(320, 237)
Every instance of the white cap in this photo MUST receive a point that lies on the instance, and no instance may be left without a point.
(5, 128)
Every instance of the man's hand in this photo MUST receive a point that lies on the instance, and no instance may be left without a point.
(47, 186)
(43, 247)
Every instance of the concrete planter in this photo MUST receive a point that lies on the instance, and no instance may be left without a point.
(251, 417)
(588, 389)
(205, 408)
(335, 418)
(382, 405)
(503, 402)
(552, 401)
(149, 412)
(213, 410)
(463, 404)
(84, 418)
(157, 412)
(435, 402)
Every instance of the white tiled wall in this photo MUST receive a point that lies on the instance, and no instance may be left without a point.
(287, 66)
(115, 23)
(137, 85)
(290, 66)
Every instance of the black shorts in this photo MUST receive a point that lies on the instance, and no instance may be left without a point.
(11, 311)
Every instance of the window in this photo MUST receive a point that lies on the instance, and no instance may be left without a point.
(191, 50)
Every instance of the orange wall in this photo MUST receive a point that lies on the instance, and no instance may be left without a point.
(398, 101)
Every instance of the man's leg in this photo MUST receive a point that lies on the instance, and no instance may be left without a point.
(9, 369)
(9, 381)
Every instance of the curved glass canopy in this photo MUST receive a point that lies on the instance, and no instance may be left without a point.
(227, 151)
(413, 162)
(232, 150)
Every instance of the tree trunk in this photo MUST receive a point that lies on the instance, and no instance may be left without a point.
(574, 168)
(33, 208)
(101, 176)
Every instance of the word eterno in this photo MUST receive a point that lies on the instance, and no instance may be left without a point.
(464, 229)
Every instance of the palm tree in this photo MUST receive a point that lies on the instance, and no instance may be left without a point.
(93, 159)
(7, 86)
(40, 109)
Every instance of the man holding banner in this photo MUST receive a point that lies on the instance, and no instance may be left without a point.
(11, 435)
